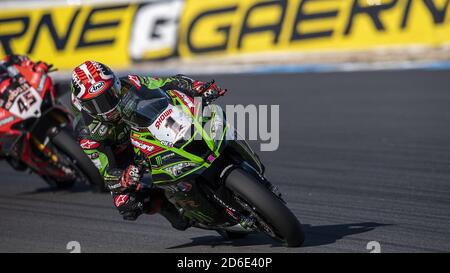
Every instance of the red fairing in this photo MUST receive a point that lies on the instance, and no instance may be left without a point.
(32, 76)
(7, 119)
(4, 84)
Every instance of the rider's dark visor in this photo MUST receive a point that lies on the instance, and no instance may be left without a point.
(102, 103)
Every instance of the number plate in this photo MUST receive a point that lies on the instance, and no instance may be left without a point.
(27, 104)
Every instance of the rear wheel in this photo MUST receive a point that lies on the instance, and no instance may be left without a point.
(83, 165)
(273, 217)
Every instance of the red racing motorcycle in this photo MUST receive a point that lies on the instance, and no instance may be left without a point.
(36, 131)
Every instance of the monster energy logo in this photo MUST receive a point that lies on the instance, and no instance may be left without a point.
(201, 216)
(158, 160)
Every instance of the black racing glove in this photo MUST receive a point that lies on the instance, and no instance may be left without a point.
(130, 205)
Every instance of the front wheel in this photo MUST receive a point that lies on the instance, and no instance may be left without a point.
(273, 217)
(66, 144)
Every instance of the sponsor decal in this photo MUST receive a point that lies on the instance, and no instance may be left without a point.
(12, 93)
(64, 35)
(184, 186)
(211, 158)
(89, 144)
(187, 101)
(93, 156)
(141, 31)
(103, 130)
(180, 168)
(120, 200)
(42, 82)
(135, 81)
(167, 156)
(162, 117)
(7, 120)
(166, 143)
(233, 27)
(98, 163)
(146, 148)
(97, 87)
(155, 30)
(161, 160)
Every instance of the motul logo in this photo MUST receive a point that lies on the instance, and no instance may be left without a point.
(163, 117)
(98, 86)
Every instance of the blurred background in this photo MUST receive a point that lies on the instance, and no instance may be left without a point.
(364, 94)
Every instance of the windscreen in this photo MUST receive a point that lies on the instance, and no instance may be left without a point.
(140, 108)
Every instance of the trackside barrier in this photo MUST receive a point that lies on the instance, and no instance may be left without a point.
(125, 33)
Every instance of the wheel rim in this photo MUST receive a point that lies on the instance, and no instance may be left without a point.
(76, 174)
(261, 223)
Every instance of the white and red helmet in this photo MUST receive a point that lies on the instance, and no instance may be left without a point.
(97, 90)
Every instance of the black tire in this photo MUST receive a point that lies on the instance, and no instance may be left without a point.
(66, 143)
(17, 164)
(268, 206)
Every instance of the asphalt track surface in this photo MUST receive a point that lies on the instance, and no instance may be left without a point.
(363, 157)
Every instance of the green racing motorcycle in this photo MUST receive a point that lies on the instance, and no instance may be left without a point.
(205, 168)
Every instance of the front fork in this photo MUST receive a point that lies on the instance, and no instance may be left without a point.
(245, 223)
(251, 170)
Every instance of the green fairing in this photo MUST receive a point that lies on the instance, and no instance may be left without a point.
(152, 83)
(102, 160)
(200, 163)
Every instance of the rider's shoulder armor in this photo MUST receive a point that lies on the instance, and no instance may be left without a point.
(132, 81)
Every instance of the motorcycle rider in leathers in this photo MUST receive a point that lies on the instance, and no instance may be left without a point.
(105, 138)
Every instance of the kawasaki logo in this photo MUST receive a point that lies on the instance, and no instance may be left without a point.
(96, 87)
(163, 117)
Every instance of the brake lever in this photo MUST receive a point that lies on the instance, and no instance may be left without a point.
(207, 85)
